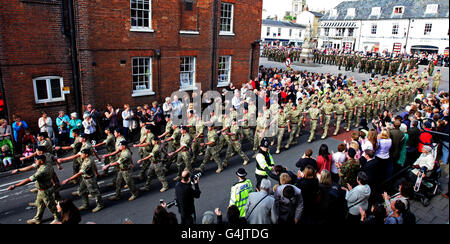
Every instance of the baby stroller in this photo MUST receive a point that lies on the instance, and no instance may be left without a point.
(427, 183)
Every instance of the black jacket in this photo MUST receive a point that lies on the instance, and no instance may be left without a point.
(302, 162)
(185, 195)
(372, 170)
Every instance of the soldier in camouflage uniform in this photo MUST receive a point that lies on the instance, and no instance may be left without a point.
(183, 153)
(369, 105)
(236, 146)
(314, 114)
(211, 150)
(282, 118)
(437, 78)
(125, 164)
(88, 183)
(378, 64)
(246, 131)
(197, 138)
(156, 167)
(174, 142)
(146, 145)
(404, 65)
(350, 105)
(110, 145)
(327, 110)
(360, 107)
(43, 178)
(340, 114)
(362, 64)
(294, 115)
(431, 68)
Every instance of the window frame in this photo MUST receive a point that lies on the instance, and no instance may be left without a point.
(428, 26)
(396, 27)
(268, 31)
(50, 98)
(141, 28)
(142, 92)
(352, 31)
(398, 7)
(377, 12)
(432, 8)
(194, 71)
(231, 32)
(372, 28)
(326, 31)
(228, 58)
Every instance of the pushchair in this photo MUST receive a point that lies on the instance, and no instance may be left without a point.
(427, 183)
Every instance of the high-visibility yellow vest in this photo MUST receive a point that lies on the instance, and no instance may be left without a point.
(260, 169)
(241, 191)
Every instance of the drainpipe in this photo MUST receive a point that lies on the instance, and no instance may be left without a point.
(3, 96)
(75, 67)
(407, 35)
(214, 43)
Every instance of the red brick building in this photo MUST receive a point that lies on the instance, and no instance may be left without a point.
(122, 51)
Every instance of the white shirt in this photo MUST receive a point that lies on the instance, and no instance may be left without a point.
(366, 145)
(338, 157)
(425, 160)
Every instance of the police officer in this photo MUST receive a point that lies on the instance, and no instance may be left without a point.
(240, 191)
(211, 150)
(156, 167)
(88, 183)
(263, 160)
(43, 178)
(124, 163)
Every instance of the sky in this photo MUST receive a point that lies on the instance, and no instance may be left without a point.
(279, 7)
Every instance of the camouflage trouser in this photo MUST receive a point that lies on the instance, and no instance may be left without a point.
(183, 157)
(45, 199)
(90, 186)
(158, 170)
(375, 112)
(292, 135)
(196, 149)
(358, 116)
(435, 85)
(125, 176)
(236, 147)
(368, 113)
(145, 164)
(257, 140)
(248, 134)
(326, 125)
(339, 118)
(76, 165)
(280, 134)
(211, 152)
(299, 130)
(313, 129)
(349, 119)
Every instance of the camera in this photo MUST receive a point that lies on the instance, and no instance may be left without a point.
(169, 204)
(196, 176)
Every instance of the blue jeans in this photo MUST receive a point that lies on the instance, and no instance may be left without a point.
(445, 152)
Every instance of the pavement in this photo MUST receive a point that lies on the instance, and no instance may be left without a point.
(215, 188)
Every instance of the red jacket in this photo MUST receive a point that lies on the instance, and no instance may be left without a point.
(324, 164)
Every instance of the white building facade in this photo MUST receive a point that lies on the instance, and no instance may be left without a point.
(400, 26)
(282, 33)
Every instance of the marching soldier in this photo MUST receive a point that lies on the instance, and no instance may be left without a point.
(362, 64)
(350, 106)
(360, 108)
(147, 146)
(174, 143)
(183, 153)
(260, 128)
(246, 131)
(43, 178)
(431, 68)
(294, 116)
(124, 164)
(369, 105)
(340, 113)
(236, 146)
(437, 78)
(88, 184)
(197, 138)
(211, 150)
(282, 118)
(76, 147)
(114, 155)
(314, 114)
(327, 109)
(156, 167)
(110, 146)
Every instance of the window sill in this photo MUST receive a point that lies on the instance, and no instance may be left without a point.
(141, 94)
(219, 85)
(190, 88)
(186, 32)
(226, 34)
(142, 30)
